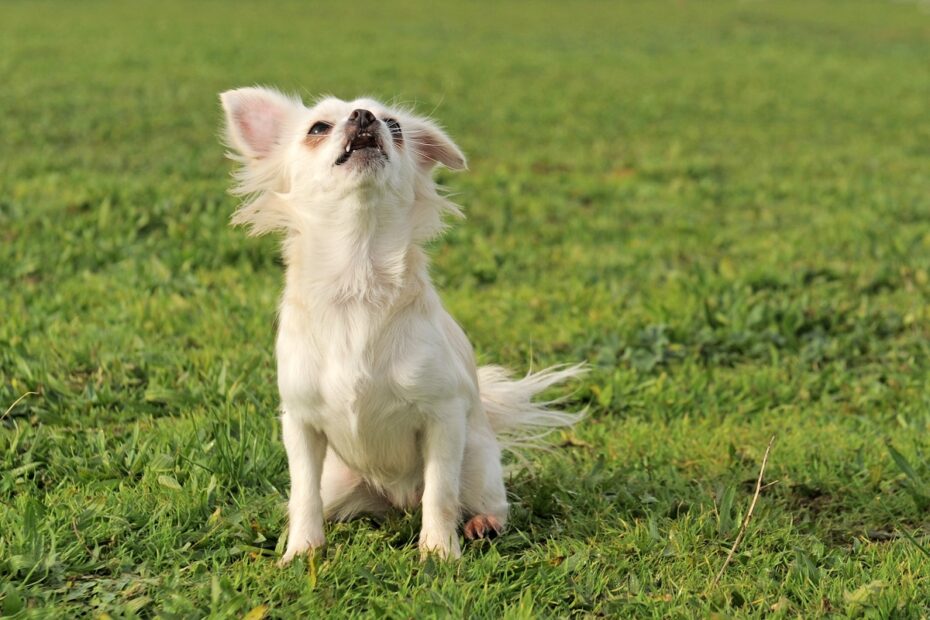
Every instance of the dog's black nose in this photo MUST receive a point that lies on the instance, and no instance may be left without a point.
(363, 118)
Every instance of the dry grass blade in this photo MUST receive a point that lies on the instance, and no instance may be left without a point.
(745, 523)
(16, 402)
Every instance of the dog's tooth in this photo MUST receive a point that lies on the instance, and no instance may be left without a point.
(348, 147)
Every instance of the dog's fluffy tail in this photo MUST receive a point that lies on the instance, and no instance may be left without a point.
(517, 420)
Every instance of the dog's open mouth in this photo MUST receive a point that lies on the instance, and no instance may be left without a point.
(364, 142)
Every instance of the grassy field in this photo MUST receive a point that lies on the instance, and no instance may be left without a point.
(723, 207)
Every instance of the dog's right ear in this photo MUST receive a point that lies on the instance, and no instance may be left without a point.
(257, 119)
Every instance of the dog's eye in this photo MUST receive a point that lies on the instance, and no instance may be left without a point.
(320, 128)
(393, 125)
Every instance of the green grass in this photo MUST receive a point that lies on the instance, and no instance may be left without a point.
(723, 207)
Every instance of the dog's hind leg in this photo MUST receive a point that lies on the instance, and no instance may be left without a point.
(484, 498)
(345, 494)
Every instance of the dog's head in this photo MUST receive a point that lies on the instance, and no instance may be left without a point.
(300, 163)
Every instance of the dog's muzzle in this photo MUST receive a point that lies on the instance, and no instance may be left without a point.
(361, 134)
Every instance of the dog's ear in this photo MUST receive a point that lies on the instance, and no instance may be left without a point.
(257, 119)
(432, 146)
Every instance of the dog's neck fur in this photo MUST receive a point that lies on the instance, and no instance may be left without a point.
(357, 249)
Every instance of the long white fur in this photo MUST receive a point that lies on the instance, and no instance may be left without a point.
(382, 402)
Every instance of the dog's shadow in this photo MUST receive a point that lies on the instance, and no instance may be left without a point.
(558, 499)
(540, 509)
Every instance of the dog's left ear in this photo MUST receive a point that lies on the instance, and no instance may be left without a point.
(257, 119)
(432, 146)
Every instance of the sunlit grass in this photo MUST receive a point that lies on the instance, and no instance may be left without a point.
(723, 207)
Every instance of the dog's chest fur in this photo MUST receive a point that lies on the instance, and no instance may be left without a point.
(366, 353)
(354, 372)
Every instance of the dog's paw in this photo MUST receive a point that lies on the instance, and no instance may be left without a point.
(483, 526)
(292, 553)
(287, 558)
(443, 546)
(294, 548)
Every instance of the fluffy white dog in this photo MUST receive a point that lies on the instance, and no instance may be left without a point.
(382, 402)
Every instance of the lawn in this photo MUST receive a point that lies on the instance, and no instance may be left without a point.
(723, 207)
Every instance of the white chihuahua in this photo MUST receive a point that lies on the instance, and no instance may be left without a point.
(382, 403)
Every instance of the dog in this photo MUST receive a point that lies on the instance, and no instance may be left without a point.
(382, 403)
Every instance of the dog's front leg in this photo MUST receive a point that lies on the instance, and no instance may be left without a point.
(305, 449)
(443, 451)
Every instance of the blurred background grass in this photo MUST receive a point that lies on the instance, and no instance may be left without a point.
(722, 206)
